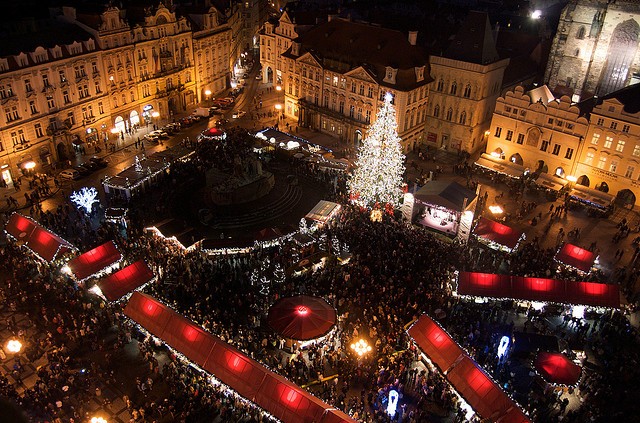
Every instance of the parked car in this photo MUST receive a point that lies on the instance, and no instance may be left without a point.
(99, 161)
(69, 174)
(83, 170)
(159, 133)
(238, 114)
(91, 166)
(154, 139)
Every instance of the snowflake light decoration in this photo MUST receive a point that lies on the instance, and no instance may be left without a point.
(85, 198)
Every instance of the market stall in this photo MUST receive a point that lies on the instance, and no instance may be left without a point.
(441, 205)
(499, 166)
(324, 211)
(99, 260)
(557, 368)
(177, 231)
(498, 236)
(550, 182)
(126, 280)
(43, 243)
(136, 179)
(284, 400)
(301, 317)
(441, 350)
(592, 198)
(576, 257)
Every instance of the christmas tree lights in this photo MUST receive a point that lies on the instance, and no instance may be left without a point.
(380, 163)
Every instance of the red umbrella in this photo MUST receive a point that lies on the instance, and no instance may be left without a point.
(557, 368)
(302, 317)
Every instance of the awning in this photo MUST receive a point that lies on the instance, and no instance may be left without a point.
(500, 166)
(302, 317)
(591, 197)
(275, 394)
(550, 182)
(557, 368)
(323, 211)
(538, 289)
(43, 243)
(94, 261)
(435, 343)
(576, 257)
(120, 283)
(498, 233)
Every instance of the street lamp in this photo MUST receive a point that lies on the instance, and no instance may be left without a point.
(278, 106)
(97, 419)
(207, 94)
(361, 347)
(278, 88)
(14, 346)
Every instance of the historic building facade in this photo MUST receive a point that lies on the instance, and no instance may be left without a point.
(595, 50)
(536, 131)
(335, 75)
(610, 157)
(97, 74)
(467, 82)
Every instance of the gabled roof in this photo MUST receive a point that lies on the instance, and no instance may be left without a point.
(474, 41)
(93, 261)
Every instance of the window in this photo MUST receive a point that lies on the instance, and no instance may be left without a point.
(63, 77)
(550, 121)
(636, 150)
(589, 159)
(569, 153)
(454, 89)
(45, 80)
(556, 149)
(341, 107)
(335, 81)
(359, 117)
(544, 146)
(614, 125)
(602, 161)
(353, 87)
(436, 111)
(65, 97)
(629, 172)
(83, 91)
(352, 111)
(38, 129)
(11, 113)
(607, 142)
(51, 103)
(361, 91)
(613, 166)
(463, 118)
(580, 34)
(620, 145)
(449, 114)
(498, 132)
(520, 139)
(27, 85)
(32, 107)
(440, 85)
(304, 72)
(509, 136)
(600, 122)
(370, 92)
(625, 128)
(97, 87)
(367, 116)
(100, 108)
(467, 91)
(71, 118)
(595, 138)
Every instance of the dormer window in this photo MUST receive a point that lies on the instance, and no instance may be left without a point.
(419, 73)
(390, 75)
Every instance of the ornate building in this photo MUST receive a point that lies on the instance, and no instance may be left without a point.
(467, 82)
(89, 74)
(335, 75)
(595, 50)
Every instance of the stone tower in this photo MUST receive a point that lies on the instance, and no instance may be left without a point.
(596, 48)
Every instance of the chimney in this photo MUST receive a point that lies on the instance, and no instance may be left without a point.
(413, 37)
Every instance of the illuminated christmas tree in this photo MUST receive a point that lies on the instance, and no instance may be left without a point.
(380, 163)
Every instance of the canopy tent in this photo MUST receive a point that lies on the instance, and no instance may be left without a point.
(492, 232)
(576, 257)
(120, 283)
(552, 182)
(591, 197)
(557, 368)
(40, 241)
(93, 261)
(275, 394)
(435, 342)
(471, 382)
(538, 289)
(302, 317)
(497, 165)
(449, 195)
(323, 211)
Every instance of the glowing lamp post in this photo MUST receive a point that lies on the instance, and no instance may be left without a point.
(361, 347)
(278, 88)
(207, 94)
(278, 106)
(97, 419)
(14, 346)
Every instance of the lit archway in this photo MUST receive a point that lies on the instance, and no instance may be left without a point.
(559, 172)
(603, 186)
(134, 118)
(583, 180)
(517, 159)
(119, 124)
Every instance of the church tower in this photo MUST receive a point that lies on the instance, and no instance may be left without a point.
(596, 48)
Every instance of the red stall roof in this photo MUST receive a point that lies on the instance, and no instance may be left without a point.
(45, 244)
(95, 260)
(435, 342)
(557, 368)
(538, 289)
(483, 394)
(120, 283)
(577, 257)
(302, 317)
(498, 233)
(275, 394)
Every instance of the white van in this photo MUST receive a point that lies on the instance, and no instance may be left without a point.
(69, 174)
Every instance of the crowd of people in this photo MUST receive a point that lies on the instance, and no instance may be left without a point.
(396, 273)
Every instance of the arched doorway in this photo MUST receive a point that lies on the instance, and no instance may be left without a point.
(583, 180)
(603, 186)
(559, 172)
(269, 75)
(626, 198)
(498, 153)
(542, 167)
(357, 139)
(517, 159)
(62, 152)
(119, 124)
(134, 118)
